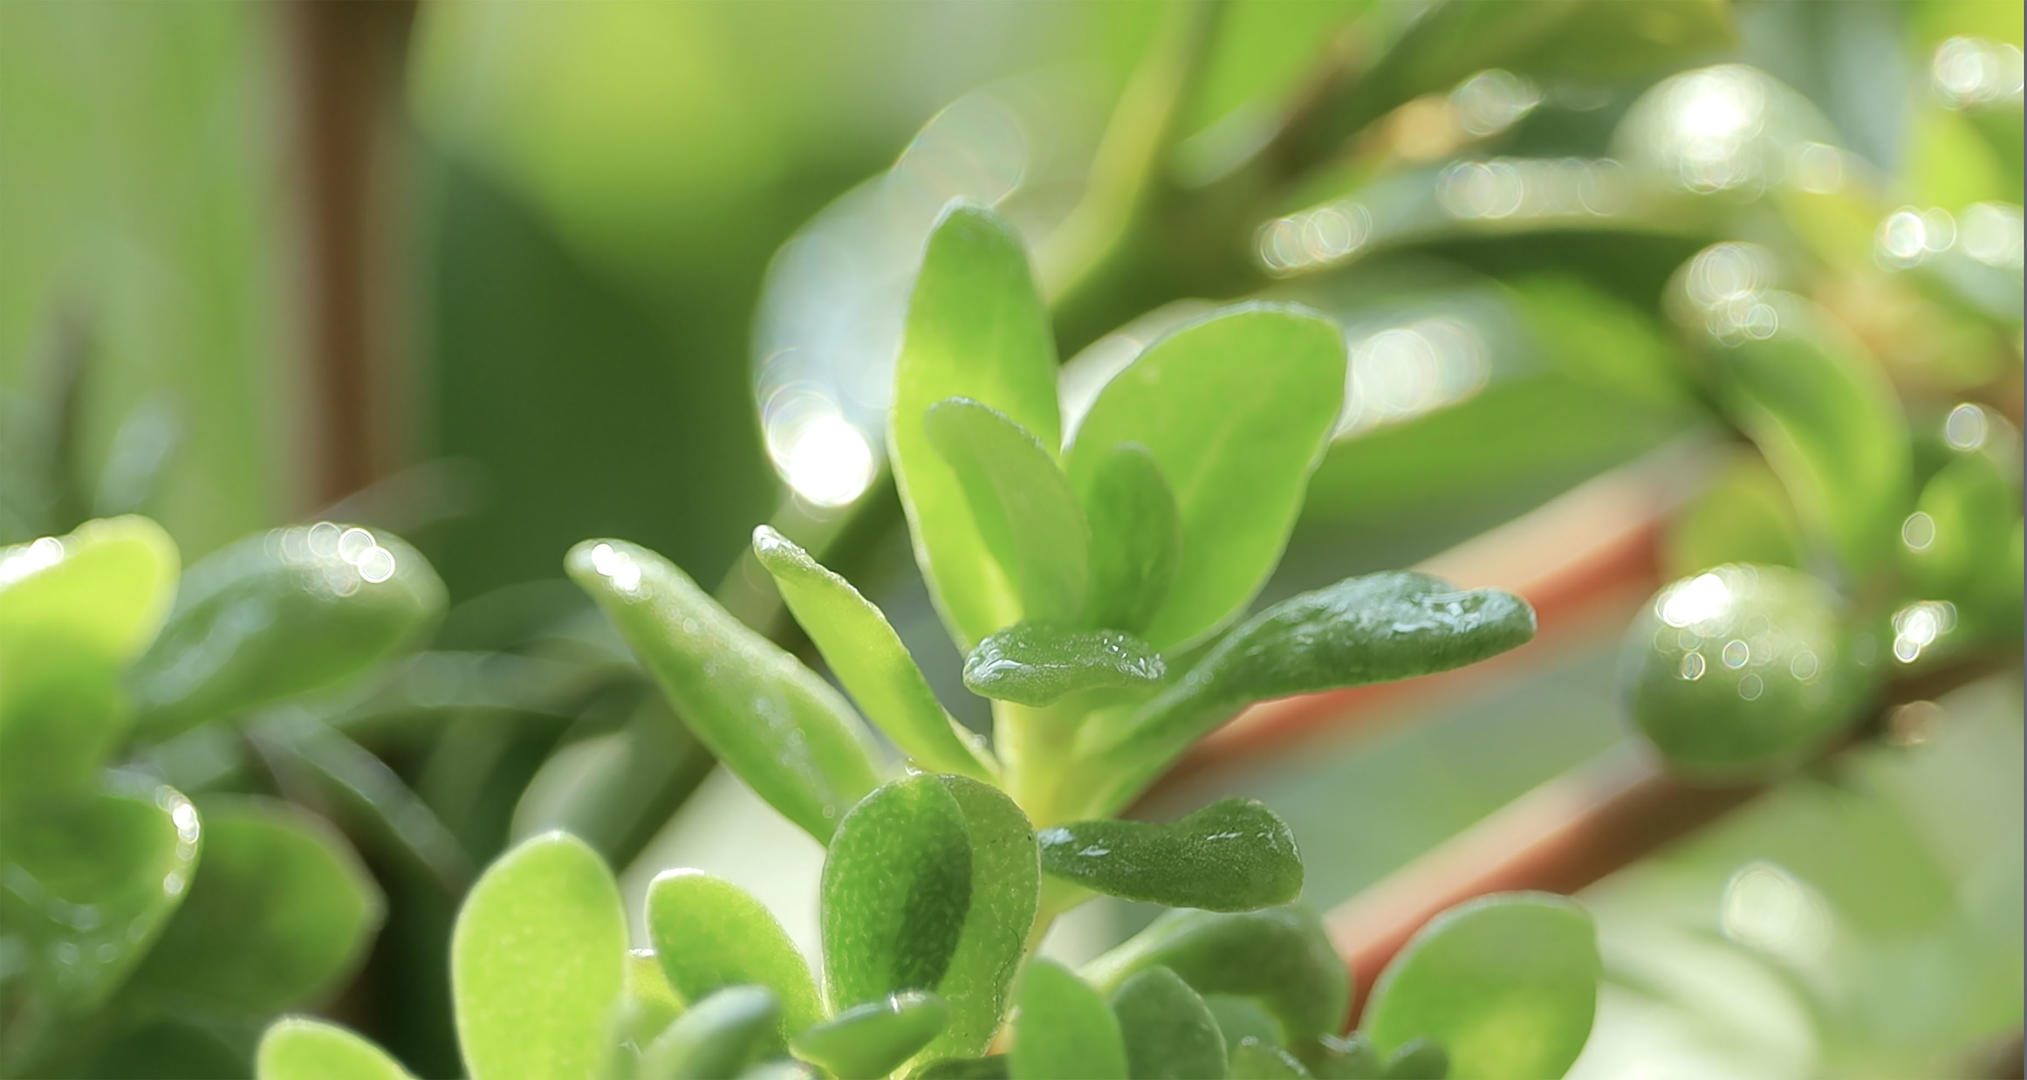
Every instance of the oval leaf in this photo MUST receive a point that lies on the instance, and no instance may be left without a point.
(859, 644)
(537, 963)
(107, 587)
(61, 717)
(872, 1040)
(649, 1003)
(718, 1037)
(1253, 1059)
(300, 1048)
(1233, 855)
(1506, 985)
(780, 727)
(896, 890)
(1280, 957)
(1136, 539)
(1005, 888)
(1064, 1030)
(1170, 1033)
(710, 934)
(1038, 664)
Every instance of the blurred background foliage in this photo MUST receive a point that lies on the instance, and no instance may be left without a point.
(502, 276)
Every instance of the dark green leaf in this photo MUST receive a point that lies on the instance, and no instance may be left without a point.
(896, 890)
(1253, 1059)
(1064, 1030)
(300, 1048)
(1005, 887)
(872, 1040)
(710, 934)
(719, 1036)
(1169, 1033)
(1279, 957)
(1233, 855)
(1039, 664)
(1136, 539)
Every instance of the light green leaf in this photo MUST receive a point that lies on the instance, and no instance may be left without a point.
(1064, 1029)
(872, 1040)
(1280, 957)
(1020, 503)
(1253, 1059)
(279, 913)
(61, 717)
(780, 727)
(718, 1037)
(1169, 1032)
(1419, 1060)
(649, 1003)
(1742, 515)
(281, 614)
(1038, 664)
(1233, 855)
(859, 644)
(1235, 410)
(1507, 985)
(710, 934)
(1136, 539)
(537, 959)
(975, 329)
(300, 1048)
(107, 587)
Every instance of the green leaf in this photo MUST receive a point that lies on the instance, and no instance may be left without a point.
(1039, 664)
(1742, 515)
(718, 1037)
(279, 913)
(1233, 855)
(1419, 1060)
(872, 1040)
(1136, 539)
(1235, 410)
(126, 857)
(1506, 985)
(107, 587)
(281, 614)
(1169, 1032)
(1064, 1029)
(780, 727)
(649, 1003)
(1021, 505)
(1340, 1057)
(859, 644)
(1280, 957)
(985, 1068)
(975, 329)
(61, 717)
(537, 963)
(710, 934)
(300, 1048)
(1253, 1059)
(1361, 630)
(1005, 888)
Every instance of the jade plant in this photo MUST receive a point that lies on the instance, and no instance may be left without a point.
(1098, 591)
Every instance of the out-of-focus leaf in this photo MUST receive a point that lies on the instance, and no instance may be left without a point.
(710, 934)
(537, 963)
(614, 789)
(1279, 957)
(807, 754)
(994, 1067)
(859, 644)
(1420, 1059)
(1505, 985)
(1064, 1030)
(1340, 1057)
(61, 716)
(1233, 855)
(975, 329)
(1169, 1032)
(1743, 515)
(1253, 1059)
(301, 1048)
(648, 1003)
(107, 587)
(281, 614)
(872, 1040)
(1964, 525)
(1136, 539)
(279, 912)
(718, 1037)
(1038, 664)
(1235, 410)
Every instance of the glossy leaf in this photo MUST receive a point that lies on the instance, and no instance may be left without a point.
(780, 727)
(1507, 985)
(1169, 1032)
(1253, 1059)
(300, 1048)
(1235, 410)
(1279, 957)
(279, 913)
(710, 934)
(872, 1040)
(1233, 855)
(1039, 664)
(718, 1037)
(975, 329)
(1136, 539)
(859, 644)
(281, 614)
(1064, 1030)
(105, 587)
(537, 961)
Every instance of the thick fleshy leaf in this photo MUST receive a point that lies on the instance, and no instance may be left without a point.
(125, 857)
(1361, 630)
(279, 913)
(1064, 1029)
(872, 1040)
(1421, 1059)
(300, 1048)
(1340, 1057)
(1169, 1032)
(1254, 1059)
(1005, 888)
(868, 657)
(1506, 985)
(107, 587)
(975, 329)
(1235, 410)
(649, 1003)
(994, 1067)
(282, 614)
(1021, 505)
(1279, 957)
(61, 717)
(1233, 855)
(780, 727)
(1039, 664)
(1136, 539)
(537, 964)
(719, 1036)
(710, 934)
